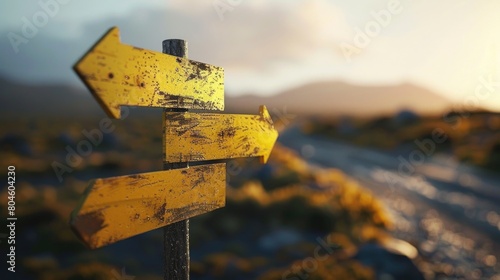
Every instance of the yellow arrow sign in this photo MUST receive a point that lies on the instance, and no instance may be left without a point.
(119, 74)
(116, 208)
(207, 136)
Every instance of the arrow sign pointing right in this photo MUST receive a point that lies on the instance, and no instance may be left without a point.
(119, 74)
(208, 136)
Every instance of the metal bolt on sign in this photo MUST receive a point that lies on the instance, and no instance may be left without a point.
(116, 208)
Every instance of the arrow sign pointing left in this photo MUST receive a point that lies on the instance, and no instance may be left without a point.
(119, 74)
(116, 208)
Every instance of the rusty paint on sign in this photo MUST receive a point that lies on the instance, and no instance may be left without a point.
(116, 208)
(208, 136)
(119, 74)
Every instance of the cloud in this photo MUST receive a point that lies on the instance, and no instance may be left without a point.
(253, 36)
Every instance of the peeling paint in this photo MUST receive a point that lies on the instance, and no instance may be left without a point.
(208, 136)
(120, 207)
(88, 225)
(197, 86)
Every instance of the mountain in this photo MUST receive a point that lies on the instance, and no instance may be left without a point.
(339, 98)
(323, 98)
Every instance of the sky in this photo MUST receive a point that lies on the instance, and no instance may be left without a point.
(449, 46)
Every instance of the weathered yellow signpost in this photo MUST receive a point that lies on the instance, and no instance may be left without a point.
(120, 75)
(116, 208)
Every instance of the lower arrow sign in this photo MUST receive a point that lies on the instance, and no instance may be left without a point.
(116, 208)
(208, 136)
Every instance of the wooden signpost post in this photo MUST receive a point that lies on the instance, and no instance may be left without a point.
(116, 208)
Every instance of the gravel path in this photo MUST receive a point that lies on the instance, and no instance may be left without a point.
(450, 212)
